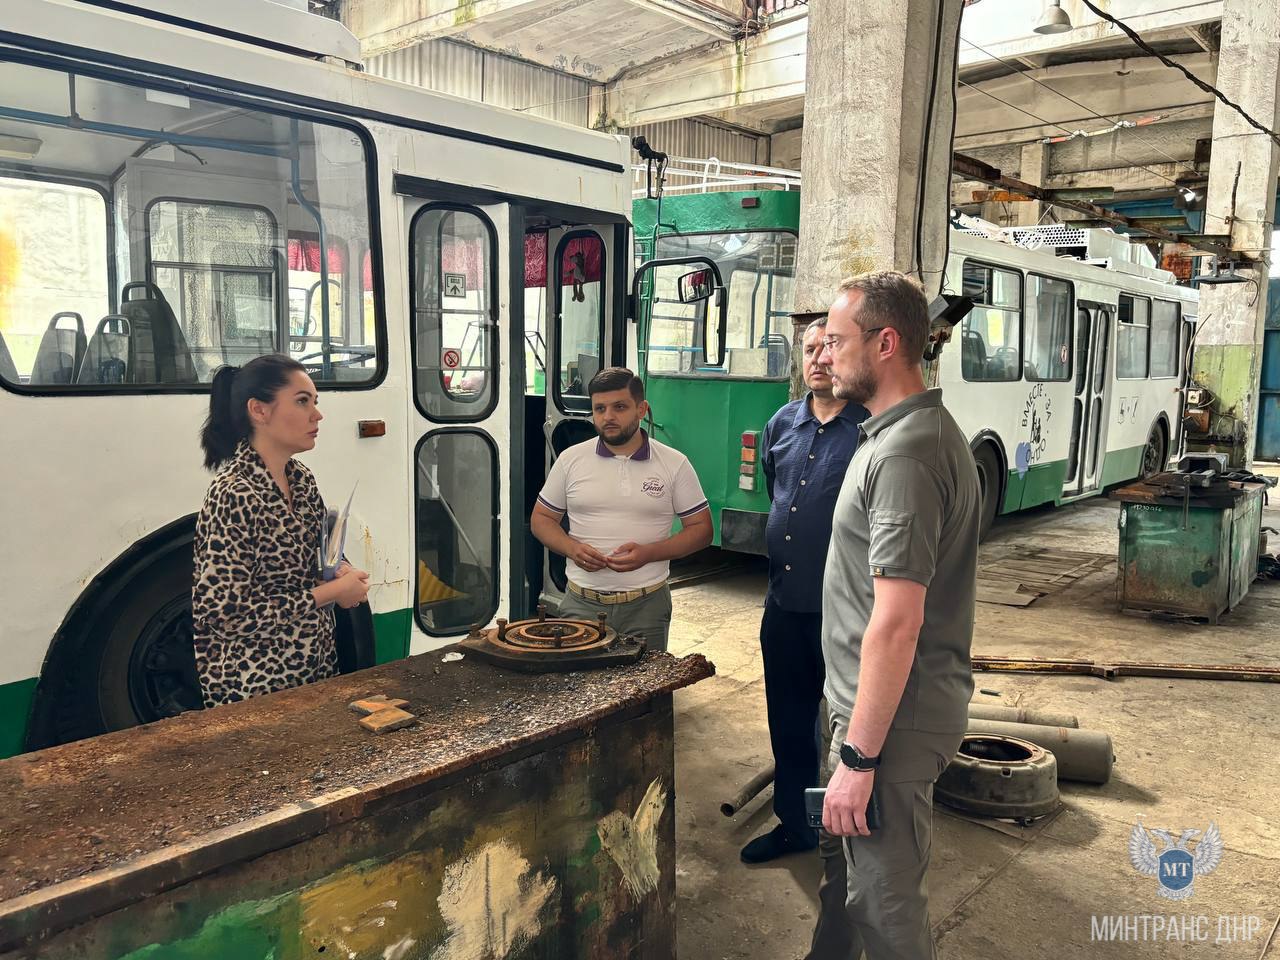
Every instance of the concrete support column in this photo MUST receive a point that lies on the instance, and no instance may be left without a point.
(1035, 171)
(878, 118)
(1241, 202)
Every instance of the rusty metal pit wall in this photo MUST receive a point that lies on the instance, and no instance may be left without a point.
(568, 851)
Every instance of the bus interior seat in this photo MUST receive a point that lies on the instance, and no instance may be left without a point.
(159, 350)
(106, 359)
(61, 351)
(8, 370)
(973, 355)
(588, 367)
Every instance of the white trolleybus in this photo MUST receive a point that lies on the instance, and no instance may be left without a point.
(1067, 374)
(184, 185)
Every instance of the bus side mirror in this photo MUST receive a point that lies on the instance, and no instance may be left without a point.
(696, 286)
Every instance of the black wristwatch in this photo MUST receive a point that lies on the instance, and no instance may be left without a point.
(852, 758)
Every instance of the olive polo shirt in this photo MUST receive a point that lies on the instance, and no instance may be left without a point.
(908, 508)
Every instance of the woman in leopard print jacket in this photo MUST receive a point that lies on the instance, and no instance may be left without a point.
(263, 618)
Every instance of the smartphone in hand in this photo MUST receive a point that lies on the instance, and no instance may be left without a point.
(814, 797)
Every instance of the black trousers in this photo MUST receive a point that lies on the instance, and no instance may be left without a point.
(791, 644)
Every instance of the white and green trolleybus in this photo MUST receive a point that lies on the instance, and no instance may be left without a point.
(184, 185)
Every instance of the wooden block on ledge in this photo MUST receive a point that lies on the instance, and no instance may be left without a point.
(370, 705)
(384, 721)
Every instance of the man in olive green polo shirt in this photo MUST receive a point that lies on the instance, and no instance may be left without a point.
(897, 614)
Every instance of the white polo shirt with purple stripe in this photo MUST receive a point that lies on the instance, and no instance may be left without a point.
(612, 500)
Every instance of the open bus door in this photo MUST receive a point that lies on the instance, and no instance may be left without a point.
(579, 270)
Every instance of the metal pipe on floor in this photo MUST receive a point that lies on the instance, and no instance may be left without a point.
(1083, 755)
(748, 792)
(1046, 718)
(1109, 670)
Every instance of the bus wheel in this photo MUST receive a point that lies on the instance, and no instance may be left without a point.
(1154, 455)
(989, 486)
(148, 670)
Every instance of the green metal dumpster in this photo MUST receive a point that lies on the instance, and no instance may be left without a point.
(1193, 555)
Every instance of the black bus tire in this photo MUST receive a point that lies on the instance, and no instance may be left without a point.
(1155, 454)
(988, 462)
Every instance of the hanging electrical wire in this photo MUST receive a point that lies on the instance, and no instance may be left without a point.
(1052, 123)
(1206, 87)
(1088, 109)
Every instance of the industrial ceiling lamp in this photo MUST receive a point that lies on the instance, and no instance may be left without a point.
(1054, 19)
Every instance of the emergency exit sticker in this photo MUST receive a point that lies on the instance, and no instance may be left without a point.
(455, 284)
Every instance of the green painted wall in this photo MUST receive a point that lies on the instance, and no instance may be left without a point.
(15, 711)
(1227, 370)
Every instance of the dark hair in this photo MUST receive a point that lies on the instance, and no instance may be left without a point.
(616, 378)
(232, 388)
(892, 299)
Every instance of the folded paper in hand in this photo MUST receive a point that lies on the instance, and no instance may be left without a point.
(333, 538)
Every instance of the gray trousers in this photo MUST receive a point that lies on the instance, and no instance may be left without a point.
(873, 896)
(649, 617)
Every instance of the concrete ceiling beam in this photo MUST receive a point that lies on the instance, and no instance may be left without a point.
(384, 26)
(716, 24)
(755, 70)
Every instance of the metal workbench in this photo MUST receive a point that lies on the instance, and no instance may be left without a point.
(521, 813)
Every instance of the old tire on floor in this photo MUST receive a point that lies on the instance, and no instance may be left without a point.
(994, 776)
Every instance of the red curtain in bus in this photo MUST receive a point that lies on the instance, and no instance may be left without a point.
(590, 249)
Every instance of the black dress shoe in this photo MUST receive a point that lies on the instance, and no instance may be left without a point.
(778, 842)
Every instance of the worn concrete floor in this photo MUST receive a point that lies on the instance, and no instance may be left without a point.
(1188, 752)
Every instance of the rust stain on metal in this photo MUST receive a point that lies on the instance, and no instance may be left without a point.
(155, 803)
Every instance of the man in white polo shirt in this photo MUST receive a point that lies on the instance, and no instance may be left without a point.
(622, 493)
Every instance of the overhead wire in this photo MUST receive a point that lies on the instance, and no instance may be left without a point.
(1052, 123)
(1027, 75)
(1203, 85)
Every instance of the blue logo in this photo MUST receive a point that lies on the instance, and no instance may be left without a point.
(1177, 865)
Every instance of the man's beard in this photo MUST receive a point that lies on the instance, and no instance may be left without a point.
(622, 436)
(859, 388)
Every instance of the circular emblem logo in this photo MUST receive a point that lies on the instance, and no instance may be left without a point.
(653, 487)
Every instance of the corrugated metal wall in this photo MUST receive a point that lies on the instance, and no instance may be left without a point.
(699, 139)
(466, 71)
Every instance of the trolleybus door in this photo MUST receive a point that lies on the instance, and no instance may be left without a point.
(1089, 408)
(464, 520)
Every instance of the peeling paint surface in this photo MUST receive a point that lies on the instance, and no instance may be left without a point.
(632, 842)
(492, 901)
(547, 855)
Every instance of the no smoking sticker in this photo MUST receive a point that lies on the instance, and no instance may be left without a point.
(451, 358)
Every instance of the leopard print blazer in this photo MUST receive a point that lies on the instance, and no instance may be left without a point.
(256, 625)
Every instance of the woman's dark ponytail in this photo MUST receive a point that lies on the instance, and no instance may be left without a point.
(232, 388)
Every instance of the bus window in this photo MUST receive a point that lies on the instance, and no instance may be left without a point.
(759, 271)
(53, 260)
(454, 312)
(457, 531)
(1133, 337)
(214, 263)
(1049, 312)
(207, 203)
(991, 337)
(580, 307)
(1165, 334)
(535, 313)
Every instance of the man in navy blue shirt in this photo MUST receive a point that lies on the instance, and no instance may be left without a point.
(805, 450)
